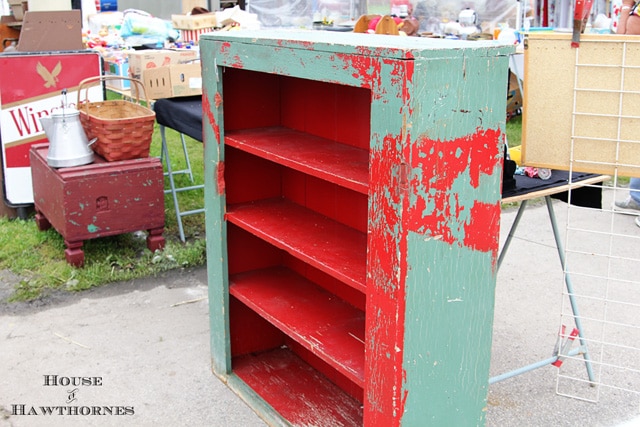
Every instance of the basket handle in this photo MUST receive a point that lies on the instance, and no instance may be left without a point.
(93, 81)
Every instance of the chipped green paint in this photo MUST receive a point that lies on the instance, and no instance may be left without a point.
(92, 228)
(437, 356)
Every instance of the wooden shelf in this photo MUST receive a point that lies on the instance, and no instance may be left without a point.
(336, 249)
(297, 391)
(330, 328)
(332, 161)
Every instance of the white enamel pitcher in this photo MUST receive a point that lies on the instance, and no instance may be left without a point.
(68, 143)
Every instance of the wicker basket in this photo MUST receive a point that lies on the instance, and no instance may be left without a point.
(123, 129)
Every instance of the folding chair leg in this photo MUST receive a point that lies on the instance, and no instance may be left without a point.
(172, 184)
(173, 189)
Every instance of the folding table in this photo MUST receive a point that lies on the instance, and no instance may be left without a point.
(585, 192)
(184, 115)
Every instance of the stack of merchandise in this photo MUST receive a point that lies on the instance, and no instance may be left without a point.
(201, 21)
(191, 26)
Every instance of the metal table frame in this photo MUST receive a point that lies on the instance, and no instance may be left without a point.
(523, 199)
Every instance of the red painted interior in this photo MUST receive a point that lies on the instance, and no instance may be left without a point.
(296, 183)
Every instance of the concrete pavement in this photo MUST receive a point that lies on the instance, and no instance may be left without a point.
(142, 348)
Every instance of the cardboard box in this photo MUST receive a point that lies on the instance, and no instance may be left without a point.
(147, 59)
(58, 30)
(119, 69)
(173, 81)
(194, 22)
(48, 5)
(514, 97)
(18, 8)
(580, 107)
(188, 36)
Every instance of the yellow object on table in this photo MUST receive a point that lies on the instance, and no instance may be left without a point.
(515, 154)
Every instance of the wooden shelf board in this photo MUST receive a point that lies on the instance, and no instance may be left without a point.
(334, 248)
(332, 161)
(322, 323)
(298, 392)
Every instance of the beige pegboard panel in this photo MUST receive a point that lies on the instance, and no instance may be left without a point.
(580, 112)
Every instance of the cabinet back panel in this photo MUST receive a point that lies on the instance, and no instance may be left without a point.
(330, 284)
(250, 333)
(247, 252)
(248, 177)
(339, 203)
(336, 112)
(250, 101)
(321, 366)
(330, 200)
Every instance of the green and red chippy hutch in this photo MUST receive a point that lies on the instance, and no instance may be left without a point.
(352, 202)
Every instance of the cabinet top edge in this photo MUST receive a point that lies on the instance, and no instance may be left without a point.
(368, 44)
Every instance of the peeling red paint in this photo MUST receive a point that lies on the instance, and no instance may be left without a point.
(385, 402)
(208, 112)
(438, 210)
(365, 68)
(385, 215)
(220, 178)
(218, 99)
(294, 43)
(478, 235)
(237, 62)
(402, 77)
(473, 155)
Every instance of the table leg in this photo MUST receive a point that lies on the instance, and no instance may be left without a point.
(512, 232)
(569, 285)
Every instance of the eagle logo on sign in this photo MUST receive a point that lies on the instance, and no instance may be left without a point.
(50, 77)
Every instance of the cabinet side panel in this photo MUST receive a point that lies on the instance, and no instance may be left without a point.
(448, 345)
(437, 136)
(452, 222)
(214, 202)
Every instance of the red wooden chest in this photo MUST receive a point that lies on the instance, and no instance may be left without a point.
(97, 200)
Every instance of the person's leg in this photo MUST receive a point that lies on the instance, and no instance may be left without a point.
(634, 189)
(632, 203)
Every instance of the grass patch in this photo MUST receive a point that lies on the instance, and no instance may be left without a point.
(37, 257)
(514, 131)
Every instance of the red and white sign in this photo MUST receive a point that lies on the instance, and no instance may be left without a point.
(30, 87)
